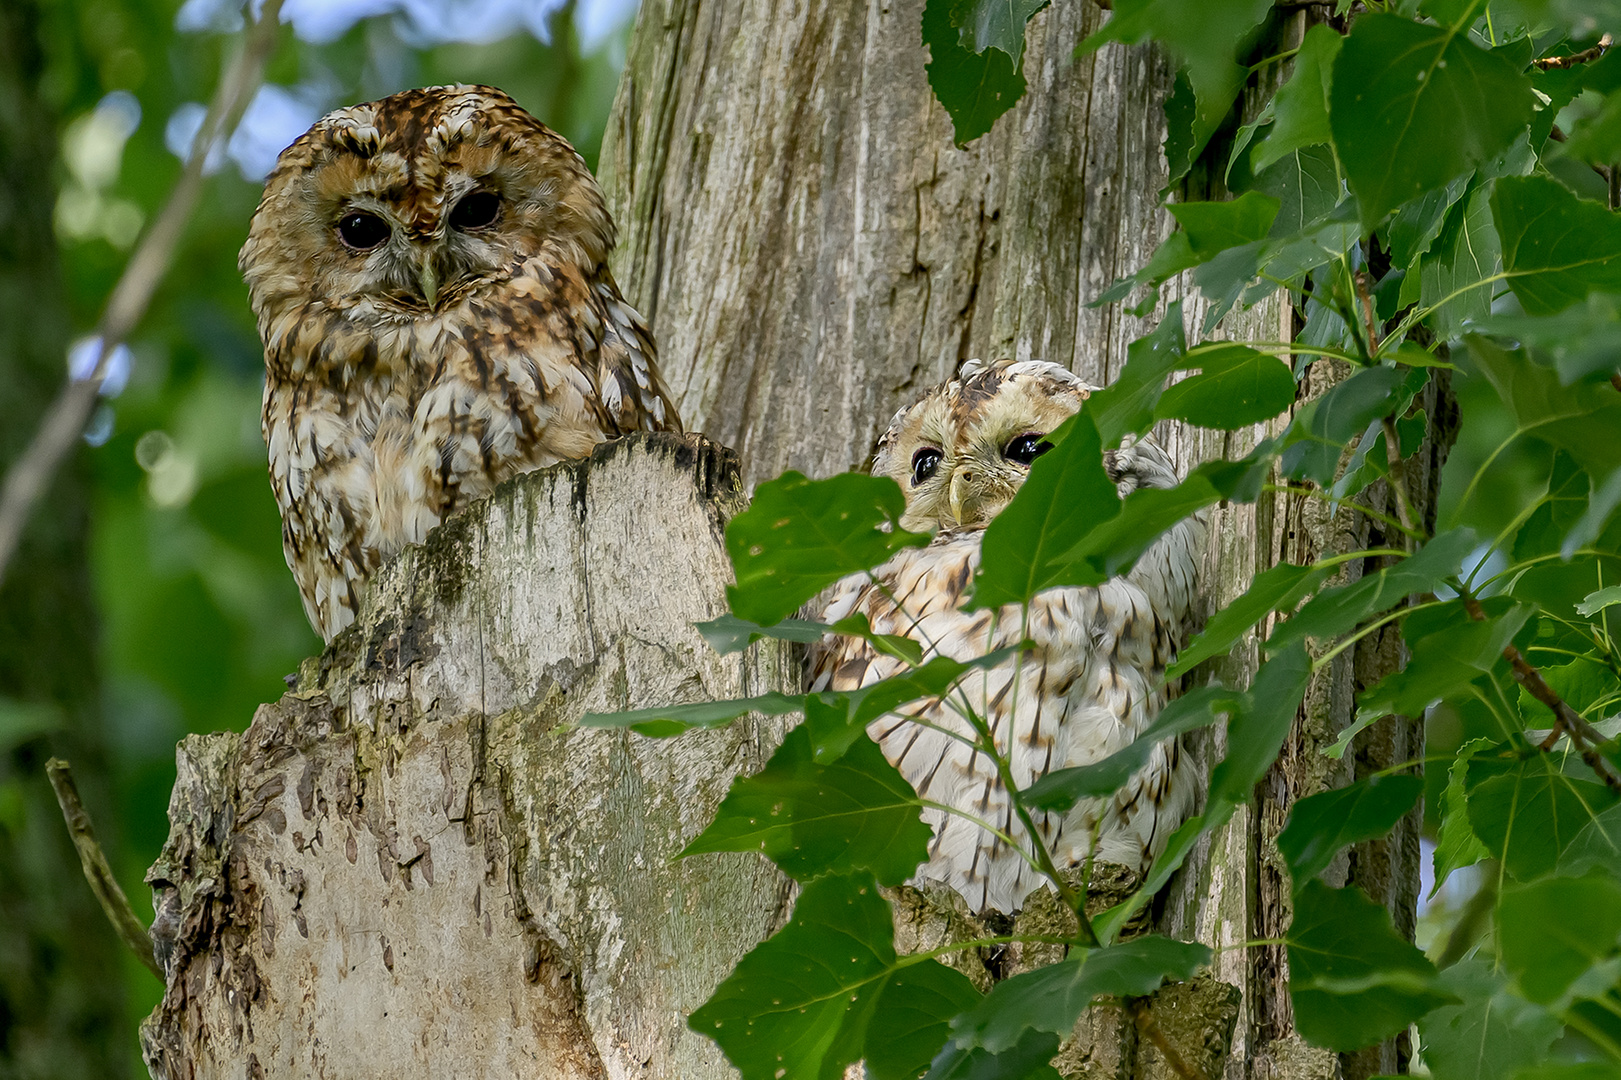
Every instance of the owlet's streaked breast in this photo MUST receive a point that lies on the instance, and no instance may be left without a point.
(430, 280)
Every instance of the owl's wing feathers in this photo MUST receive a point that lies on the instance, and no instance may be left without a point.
(1094, 681)
(627, 373)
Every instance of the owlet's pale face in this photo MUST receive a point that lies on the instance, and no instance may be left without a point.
(429, 276)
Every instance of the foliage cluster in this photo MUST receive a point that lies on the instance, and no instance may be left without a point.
(1433, 187)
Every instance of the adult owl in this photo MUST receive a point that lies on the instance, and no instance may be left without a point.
(430, 280)
(1095, 678)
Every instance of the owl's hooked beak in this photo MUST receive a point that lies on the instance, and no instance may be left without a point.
(428, 278)
(967, 493)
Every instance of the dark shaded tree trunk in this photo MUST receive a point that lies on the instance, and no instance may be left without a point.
(62, 1005)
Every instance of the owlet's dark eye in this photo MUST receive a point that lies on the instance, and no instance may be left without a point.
(1026, 448)
(362, 231)
(476, 210)
(924, 462)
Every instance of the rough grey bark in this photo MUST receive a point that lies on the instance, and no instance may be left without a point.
(415, 862)
(62, 1014)
(411, 831)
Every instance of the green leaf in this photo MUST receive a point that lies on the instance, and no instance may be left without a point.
(975, 88)
(1320, 825)
(1322, 427)
(1126, 406)
(1336, 610)
(856, 814)
(1599, 600)
(1556, 248)
(1574, 418)
(1597, 139)
(912, 1019)
(799, 536)
(1279, 588)
(1551, 931)
(1414, 106)
(1529, 815)
(1490, 1034)
(1300, 108)
(1354, 980)
(1598, 844)
(1059, 791)
(1236, 388)
(1259, 725)
(1441, 664)
(1581, 341)
(1027, 545)
(1029, 1060)
(1581, 684)
(1306, 182)
(1418, 222)
(998, 24)
(1052, 998)
(1213, 227)
(797, 1006)
(668, 720)
(1455, 276)
(1457, 846)
(729, 634)
(901, 648)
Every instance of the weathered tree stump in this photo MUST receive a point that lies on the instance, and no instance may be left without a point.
(415, 864)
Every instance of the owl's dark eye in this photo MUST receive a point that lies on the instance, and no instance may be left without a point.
(362, 231)
(476, 210)
(924, 462)
(1026, 448)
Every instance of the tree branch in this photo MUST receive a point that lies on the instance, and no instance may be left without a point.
(97, 872)
(65, 421)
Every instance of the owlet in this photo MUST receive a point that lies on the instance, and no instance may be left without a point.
(1095, 678)
(429, 276)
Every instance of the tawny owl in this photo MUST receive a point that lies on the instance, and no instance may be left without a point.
(1095, 678)
(429, 276)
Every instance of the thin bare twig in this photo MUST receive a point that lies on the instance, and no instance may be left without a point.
(65, 420)
(96, 871)
(1398, 480)
(1583, 57)
(1567, 721)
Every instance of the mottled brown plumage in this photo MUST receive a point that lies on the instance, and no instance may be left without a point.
(1095, 678)
(429, 275)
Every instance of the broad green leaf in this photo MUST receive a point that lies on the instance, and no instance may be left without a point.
(729, 634)
(799, 536)
(1306, 183)
(1279, 588)
(1581, 341)
(1457, 846)
(895, 645)
(1490, 1034)
(912, 1019)
(1414, 106)
(1551, 931)
(1581, 684)
(1060, 790)
(975, 88)
(1027, 545)
(1570, 1070)
(1458, 275)
(1574, 418)
(1334, 611)
(856, 814)
(1189, 123)
(797, 1006)
(1029, 1060)
(998, 24)
(1300, 108)
(1442, 664)
(1556, 248)
(1169, 259)
(1354, 980)
(1322, 427)
(1599, 600)
(1204, 36)
(1258, 726)
(1530, 814)
(1418, 222)
(678, 719)
(1213, 227)
(1126, 405)
(1052, 998)
(1235, 388)
(1597, 844)
(1320, 825)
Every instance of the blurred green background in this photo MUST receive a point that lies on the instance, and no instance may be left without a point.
(150, 598)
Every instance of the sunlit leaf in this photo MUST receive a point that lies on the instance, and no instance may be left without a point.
(1414, 106)
(1354, 980)
(912, 1019)
(1457, 846)
(1236, 387)
(998, 24)
(975, 88)
(1581, 684)
(1300, 108)
(857, 813)
(1530, 814)
(1213, 227)
(799, 536)
(1320, 825)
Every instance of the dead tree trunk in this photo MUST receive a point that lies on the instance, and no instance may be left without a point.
(407, 860)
